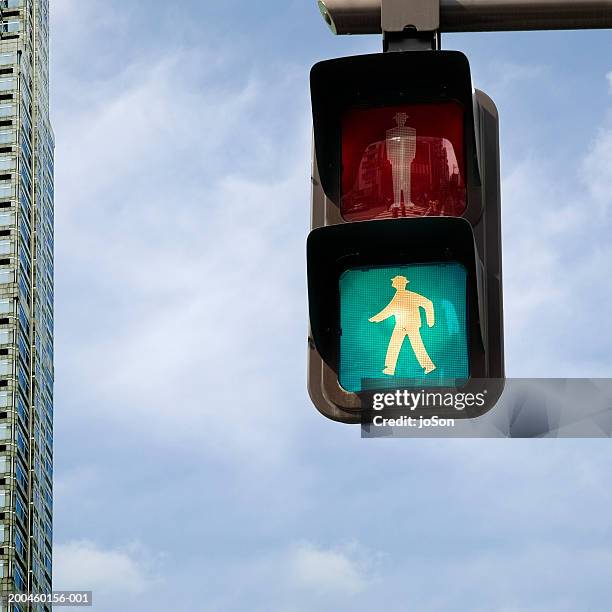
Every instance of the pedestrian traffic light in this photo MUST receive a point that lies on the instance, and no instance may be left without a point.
(404, 256)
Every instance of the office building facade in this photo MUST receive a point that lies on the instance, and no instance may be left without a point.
(26, 302)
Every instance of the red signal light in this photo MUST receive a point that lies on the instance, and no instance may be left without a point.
(403, 161)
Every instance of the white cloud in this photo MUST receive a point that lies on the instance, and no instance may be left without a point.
(327, 571)
(556, 229)
(181, 231)
(170, 334)
(83, 565)
(498, 573)
(300, 577)
(506, 76)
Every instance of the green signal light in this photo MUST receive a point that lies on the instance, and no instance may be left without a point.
(403, 326)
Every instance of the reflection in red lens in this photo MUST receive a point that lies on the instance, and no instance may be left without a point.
(403, 161)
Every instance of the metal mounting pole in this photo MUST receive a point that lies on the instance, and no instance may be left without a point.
(366, 16)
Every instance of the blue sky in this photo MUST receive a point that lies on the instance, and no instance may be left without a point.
(191, 471)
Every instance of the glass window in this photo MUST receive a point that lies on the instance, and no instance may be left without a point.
(5, 463)
(20, 584)
(25, 170)
(7, 137)
(24, 291)
(21, 441)
(7, 190)
(19, 547)
(7, 276)
(4, 496)
(25, 93)
(5, 249)
(24, 288)
(6, 337)
(9, 26)
(20, 475)
(21, 410)
(5, 430)
(9, 4)
(24, 230)
(25, 145)
(7, 58)
(7, 163)
(26, 182)
(25, 119)
(8, 84)
(26, 150)
(24, 246)
(5, 305)
(24, 200)
(25, 263)
(7, 219)
(20, 509)
(23, 318)
(23, 380)
(7, 110)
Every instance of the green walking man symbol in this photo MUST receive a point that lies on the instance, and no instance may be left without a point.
(406, 306)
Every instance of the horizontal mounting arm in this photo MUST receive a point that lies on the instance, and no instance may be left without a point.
(364, 16)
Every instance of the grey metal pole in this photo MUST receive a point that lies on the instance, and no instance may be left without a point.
(364, 16)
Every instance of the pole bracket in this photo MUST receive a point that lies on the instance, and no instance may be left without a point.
(410, 24)
(420, 15)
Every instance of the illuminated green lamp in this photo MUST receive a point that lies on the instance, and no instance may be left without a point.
(404, 326)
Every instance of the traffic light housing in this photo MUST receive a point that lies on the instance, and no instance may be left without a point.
(406, 224)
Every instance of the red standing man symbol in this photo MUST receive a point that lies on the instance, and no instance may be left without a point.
(401, 151)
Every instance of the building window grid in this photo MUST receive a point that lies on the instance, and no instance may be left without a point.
(43, 271)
